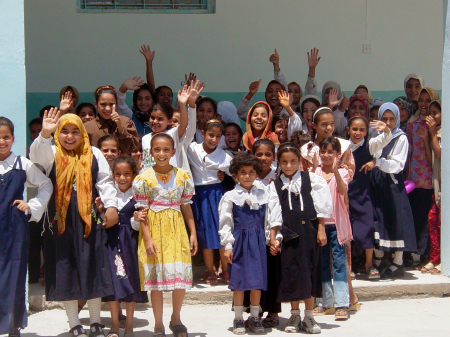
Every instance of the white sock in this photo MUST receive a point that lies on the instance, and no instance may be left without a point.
(94, 306)
(379, 255)
(295, 312)
(72, 313)
(398, 259)
(309, 313)
(254, 310)
(239, 312)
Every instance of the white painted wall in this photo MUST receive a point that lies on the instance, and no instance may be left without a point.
(231, 48)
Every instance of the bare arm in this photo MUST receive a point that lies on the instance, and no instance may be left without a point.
(149, 56)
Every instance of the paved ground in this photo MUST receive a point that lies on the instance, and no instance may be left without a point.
(404, 317)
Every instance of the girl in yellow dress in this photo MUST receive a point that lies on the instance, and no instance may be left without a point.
(163, 195)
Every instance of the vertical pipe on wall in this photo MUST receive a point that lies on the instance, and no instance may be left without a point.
(445, 160)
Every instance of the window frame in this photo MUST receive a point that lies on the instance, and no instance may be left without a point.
(210, 9)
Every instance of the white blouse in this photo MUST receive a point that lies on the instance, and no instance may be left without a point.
(205, 166)
(376, 144)
(320, 193)
(396, 159)
(36, 179)
(255, 198)
(271, 175)
(42, 152)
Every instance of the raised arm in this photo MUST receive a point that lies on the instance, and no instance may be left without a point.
(149, 56)
(183, 96)
(395, 161)
(313, 61)
(131, 84)
(196, 89)
(275, 59)
(65, 105)
(242, 109)
(377, 143)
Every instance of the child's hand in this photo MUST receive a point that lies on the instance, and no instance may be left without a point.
(193, 243)
(332, 97)
(133, 83)
(22, 206)
(116, 119)
(140, 215)
(254, 86)
(66, 101)
(229, 256)
(336, 164)
(221, 175)
(422, 132)
(50, 122)
(368, 166)
(285, 99)
(275, 59)
(100, 205)
(431, 122)
(148, 54)
(111, 217)
(196, 89)
(313, 59)
(183, 95)
(150, 247)
(379, 126)
(189, 80)
(274, 246)
(321, 236)
(345, 102)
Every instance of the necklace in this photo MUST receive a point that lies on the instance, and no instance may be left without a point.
(164, 177)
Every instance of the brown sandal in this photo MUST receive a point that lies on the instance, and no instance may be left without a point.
(210, 279)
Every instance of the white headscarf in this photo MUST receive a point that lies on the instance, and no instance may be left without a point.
(331, 84)
(228, 112)
(396, 132)
(415, 76)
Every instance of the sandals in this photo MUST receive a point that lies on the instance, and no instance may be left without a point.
(96, 330)
(393, 274)
(76, 331)
(159, 334)
(372, 273)
(113, 334)
(436, 270)
(210, 279)
(341, 314)
(320, 311)
(225, 276)
(354, 307)
(177, 329)
(426, 268)
(270, 322)
(383, 265)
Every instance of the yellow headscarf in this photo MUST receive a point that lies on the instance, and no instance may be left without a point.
(69, 165)
(434, 95)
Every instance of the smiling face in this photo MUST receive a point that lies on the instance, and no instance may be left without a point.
(86, 114)
(281, 130)
(272, 94)
(327, 155)
(205, 112)
(175, 119)
(266, 156)
(289, 163)
(233, 137)
(162, 150)
(259, 120)
(295, 91)
(144, 101)
(110, 150)
(324, 126)
(246, 176)
(412, 89)
(165, 96)
(211, 138)
(158, 121)
(357, 130)
(423, 102)
(389, 119)
(104, 105)
(70, 137)
(123, 176)
(308, 111)
(403, 113)
(435, 112)
(357, 108)
(6, 142)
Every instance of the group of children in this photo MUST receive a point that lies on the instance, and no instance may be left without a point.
(128, 195)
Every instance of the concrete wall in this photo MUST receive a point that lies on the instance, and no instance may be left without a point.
(231, 48)
(12, 69)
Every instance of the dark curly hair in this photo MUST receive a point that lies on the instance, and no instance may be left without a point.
(126, 159)
(245, 159)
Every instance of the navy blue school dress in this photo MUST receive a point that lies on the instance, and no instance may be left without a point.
(249, 268)
(360, 204)
(14, 242)
(76, 268)
(123, 258)
(393, 219)
(301, 260)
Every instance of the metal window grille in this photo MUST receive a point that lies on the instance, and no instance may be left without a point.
(157, 6)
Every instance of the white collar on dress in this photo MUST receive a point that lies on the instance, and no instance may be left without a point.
(355, 146)
(10, 160)
(293, 185)
(255, 198)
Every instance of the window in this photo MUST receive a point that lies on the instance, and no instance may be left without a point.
(149, 6)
